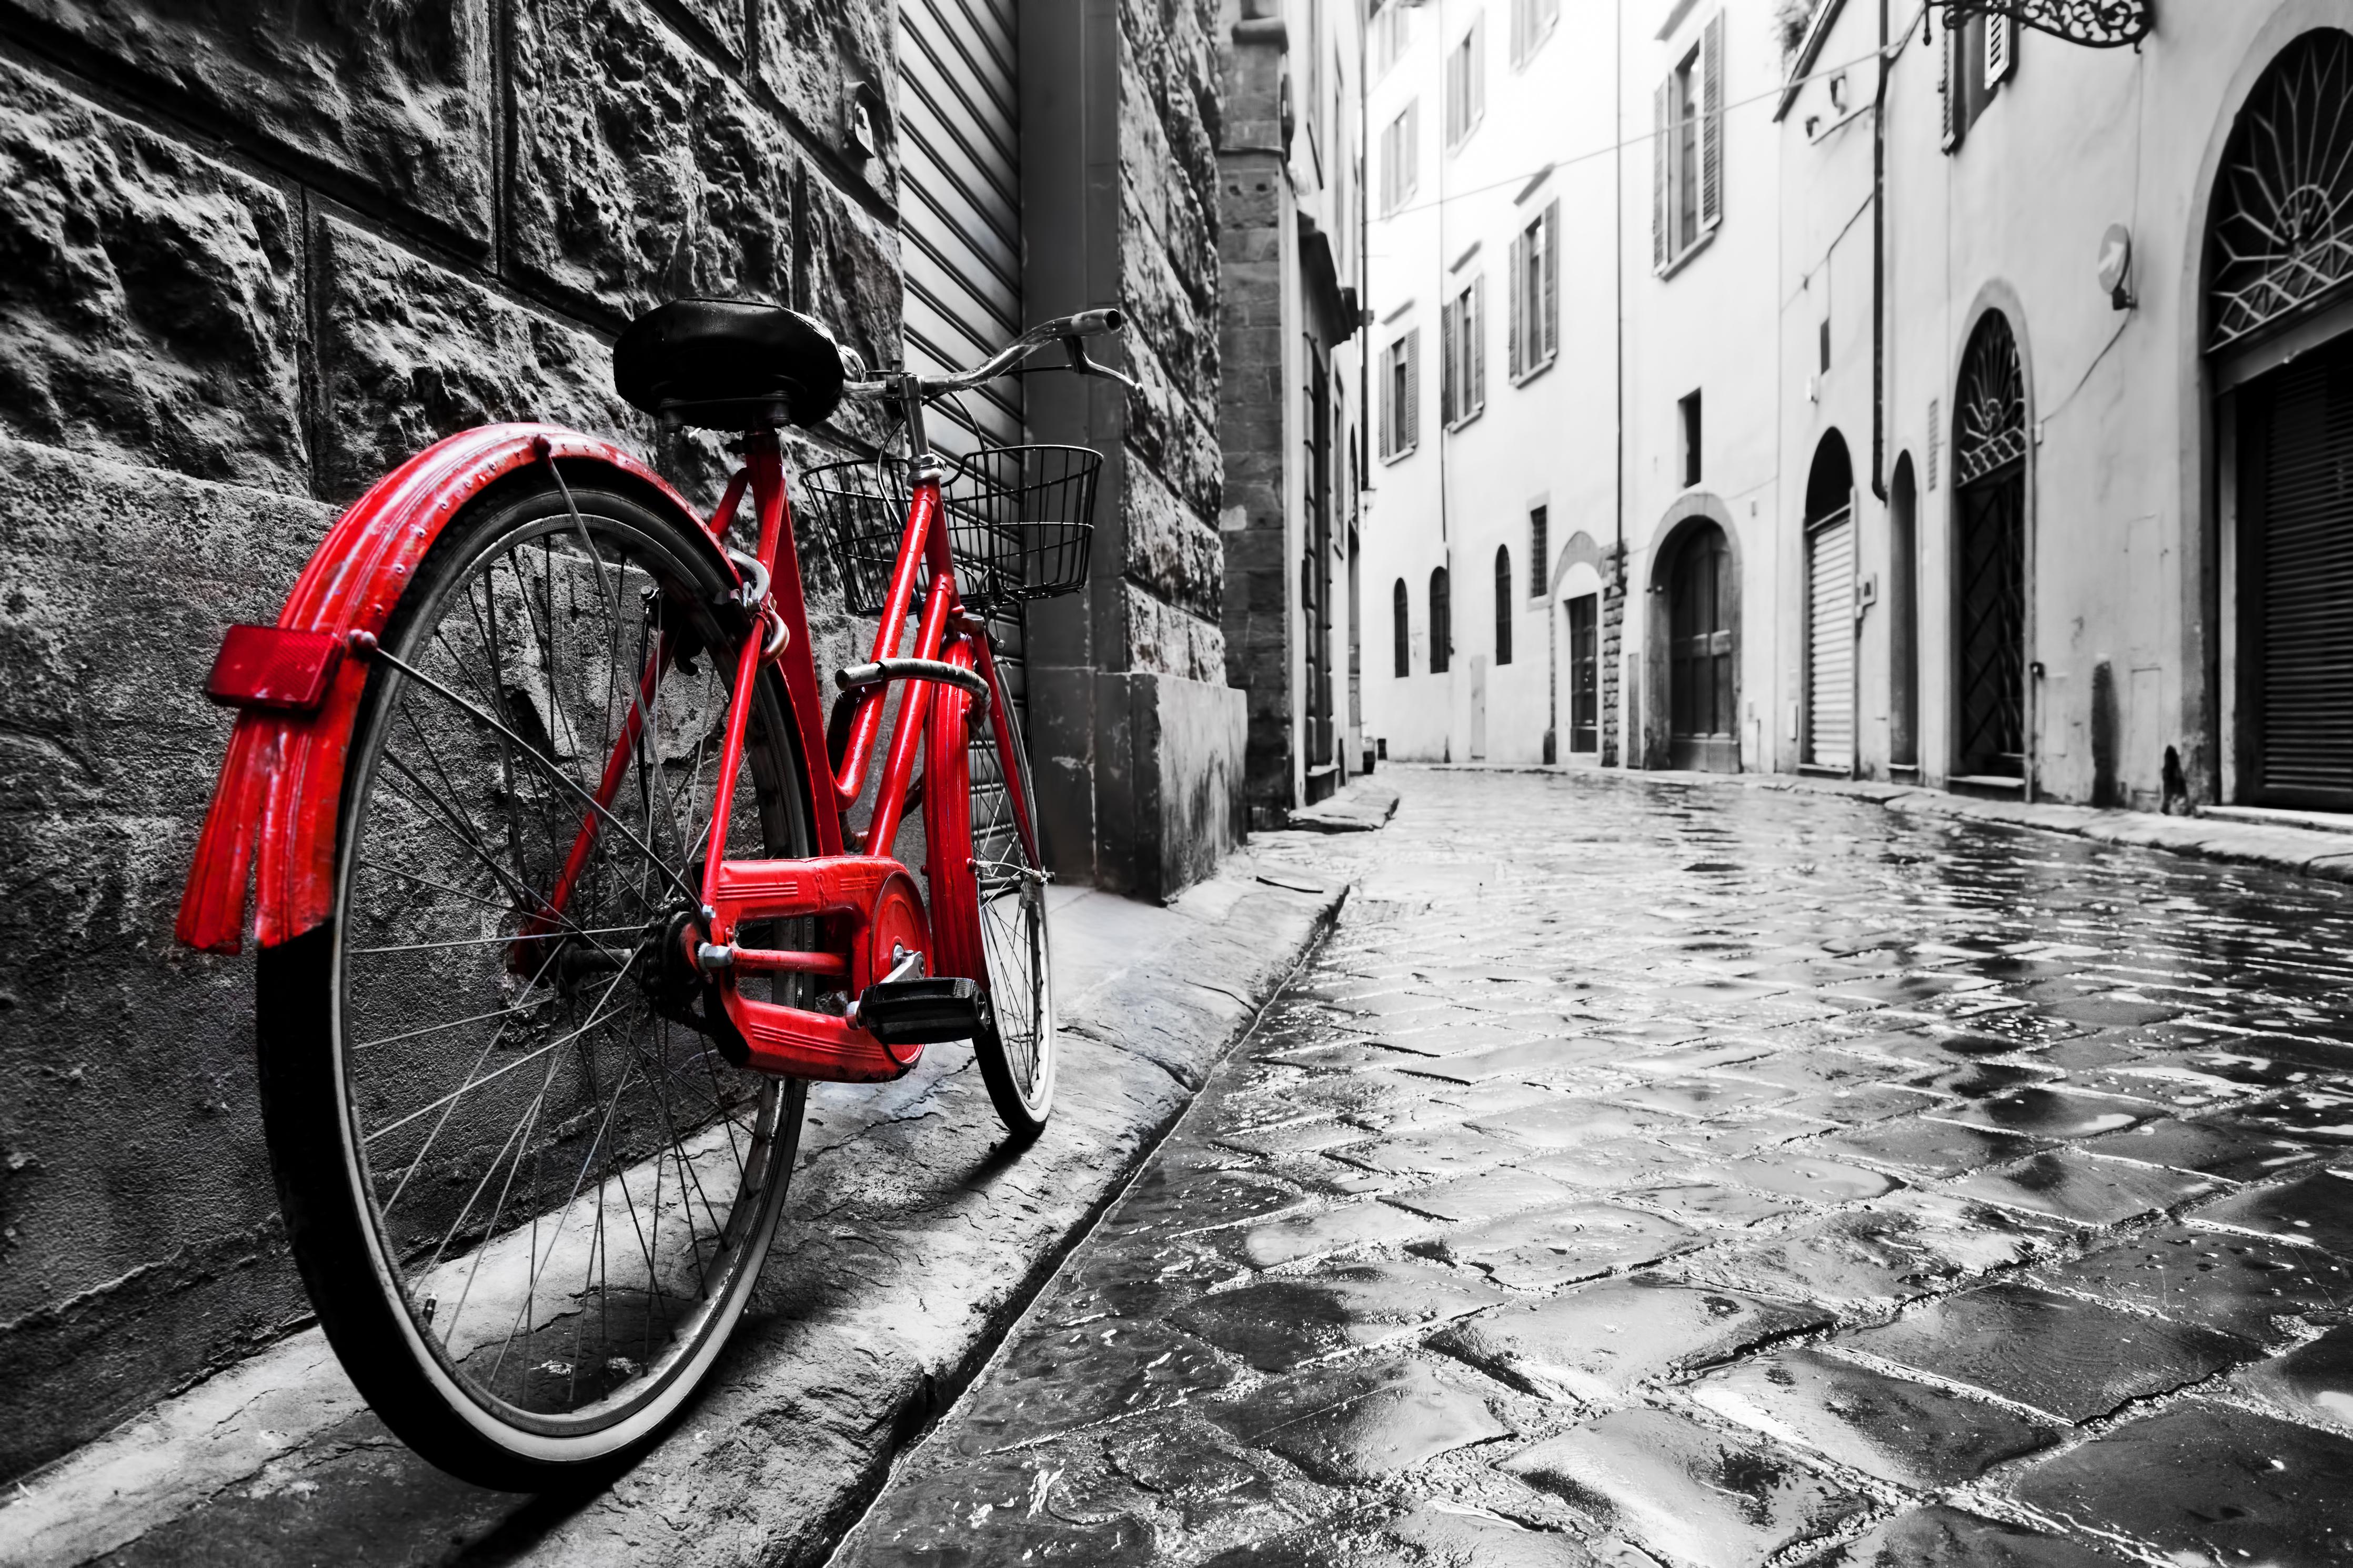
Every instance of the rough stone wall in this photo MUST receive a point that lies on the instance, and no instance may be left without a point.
(1173, 577)
(252, 254)
(1256, 522)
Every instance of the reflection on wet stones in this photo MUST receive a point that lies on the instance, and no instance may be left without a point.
(1277, 1324)
(1683, 1491)
(1601, 1341)
(1355, 1424)
(2214, 1148)
(1941, 1537)
(1898, 1430)
(2205, 1481)
(2050, 1352)
(2233, 1283)
(1931, 1147)
(2083, 1188)
(1558, 1246)
(1090, 1372)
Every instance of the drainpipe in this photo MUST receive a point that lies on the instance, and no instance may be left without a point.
(1879, 268)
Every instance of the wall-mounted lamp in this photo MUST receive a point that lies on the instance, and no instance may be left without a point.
(2116, 267)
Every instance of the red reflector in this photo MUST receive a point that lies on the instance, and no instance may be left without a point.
(271, 666)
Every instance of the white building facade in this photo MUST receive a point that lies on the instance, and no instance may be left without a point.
(1982, 386)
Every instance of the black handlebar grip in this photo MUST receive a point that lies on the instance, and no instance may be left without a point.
(1087, 323)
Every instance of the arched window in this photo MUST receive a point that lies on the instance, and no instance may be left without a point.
(1502, 604)
(1399, 630)
(1441, 622)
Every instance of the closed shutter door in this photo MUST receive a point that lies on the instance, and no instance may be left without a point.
(2304, 581)
(960, 227)
(1830, 643)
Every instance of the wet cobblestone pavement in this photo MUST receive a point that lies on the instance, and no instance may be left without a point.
(1705, 1176)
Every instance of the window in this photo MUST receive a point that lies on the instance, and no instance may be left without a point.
(1392, 31)
(1535, 295)
(1687, 151)
(1399, 632)
(1539, 550)
(1531, 24)
(1687, 433)
(1466, 83)
(1462, 348)
(1400, 141)
(1980, 54)
(1401, 395)
(1441, 623)
(1502, 604)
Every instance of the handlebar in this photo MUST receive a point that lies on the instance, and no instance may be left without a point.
(1070, 330)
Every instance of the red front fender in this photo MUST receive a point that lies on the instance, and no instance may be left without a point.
(281, 785)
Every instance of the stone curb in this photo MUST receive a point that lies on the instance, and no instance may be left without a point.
(916, 1240)
(2307, 852)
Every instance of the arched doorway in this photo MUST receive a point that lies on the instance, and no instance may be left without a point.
(1903, 617)
(1989, 547)
(2279, 269)
(1702, 694)
(1829, 737)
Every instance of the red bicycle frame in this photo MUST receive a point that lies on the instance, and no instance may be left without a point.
(283, 773)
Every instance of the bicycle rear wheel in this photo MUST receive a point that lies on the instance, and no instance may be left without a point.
(529, 1196)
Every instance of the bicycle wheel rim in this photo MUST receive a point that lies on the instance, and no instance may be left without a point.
(564, 1294)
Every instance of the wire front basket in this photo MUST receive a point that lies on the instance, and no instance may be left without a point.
(1020, 522)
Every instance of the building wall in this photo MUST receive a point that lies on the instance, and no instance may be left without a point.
(253, 262)
(1549, 440)
(1137, 733)
(2132, 598)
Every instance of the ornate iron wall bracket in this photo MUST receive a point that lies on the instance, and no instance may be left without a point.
(2097, 24)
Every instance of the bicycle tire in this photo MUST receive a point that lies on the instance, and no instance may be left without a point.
(1015, 1047)
(615, 1106)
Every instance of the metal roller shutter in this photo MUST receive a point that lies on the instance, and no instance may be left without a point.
(1830, 643)
(2303, 620)
(960, 225)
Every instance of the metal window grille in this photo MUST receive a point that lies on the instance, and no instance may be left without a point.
(1502, 604)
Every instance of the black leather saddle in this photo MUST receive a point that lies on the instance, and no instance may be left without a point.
(728, 364)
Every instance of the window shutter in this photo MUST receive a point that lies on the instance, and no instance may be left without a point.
(1948, 82)
(1515, 307)
(1661, 152)
(1475, 324)
(1549, 343)
(1411, 160)
(1410, 417)
(1711, 127)
(2001, 47)
(1389, 402)
(1445, 362)
(1478, 73)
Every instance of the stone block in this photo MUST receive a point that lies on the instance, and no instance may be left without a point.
(812, 51)
(1165, 640)
(1173, 433)
(1170, 552)
(1167, 799)
(153, 297)
(395, 97)
(413, 352)
(137, 1215)
(641, 173)
(849, 272)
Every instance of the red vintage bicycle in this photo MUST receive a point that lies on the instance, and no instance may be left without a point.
(566, 882)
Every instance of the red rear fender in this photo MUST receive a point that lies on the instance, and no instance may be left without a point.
(274, 811)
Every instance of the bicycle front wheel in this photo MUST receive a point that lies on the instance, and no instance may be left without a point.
(1016, 1044)
(526, 1187)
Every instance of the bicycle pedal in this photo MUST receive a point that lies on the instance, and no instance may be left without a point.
(921, 1012)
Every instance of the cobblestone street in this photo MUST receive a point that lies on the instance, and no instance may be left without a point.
(1714, 1176)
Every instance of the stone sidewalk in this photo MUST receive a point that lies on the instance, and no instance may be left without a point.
(2280, 845)
(915, 1236)
(1649, 1173)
